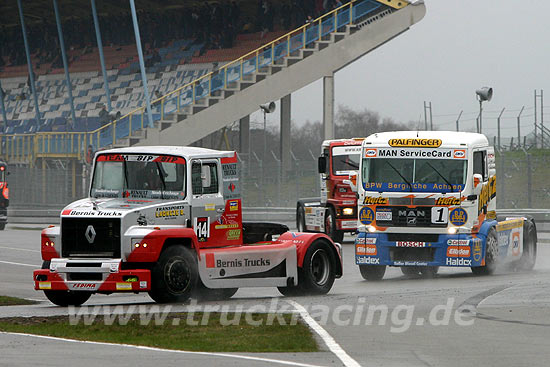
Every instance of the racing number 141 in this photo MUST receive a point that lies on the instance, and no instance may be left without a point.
(440, 215)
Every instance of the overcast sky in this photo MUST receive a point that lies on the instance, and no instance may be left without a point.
(459, 46)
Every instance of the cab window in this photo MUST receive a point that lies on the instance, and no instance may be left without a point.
(196, 180)
(480, 164)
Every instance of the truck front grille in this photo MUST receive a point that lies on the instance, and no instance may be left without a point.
(90, 237)
(402, 216)
(412, 254)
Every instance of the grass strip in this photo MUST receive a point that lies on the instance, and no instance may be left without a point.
(13, 301)
(222, 332)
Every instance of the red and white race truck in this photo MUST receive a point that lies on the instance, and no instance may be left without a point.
(168, 221)
(4, 195)
(335, 212)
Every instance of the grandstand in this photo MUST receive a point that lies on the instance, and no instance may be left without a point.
(200, 92)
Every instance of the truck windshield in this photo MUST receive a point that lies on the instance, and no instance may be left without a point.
(420, 175)
(345, 159)
(139, 176)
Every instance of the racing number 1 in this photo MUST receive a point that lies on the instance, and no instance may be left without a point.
(440, 215)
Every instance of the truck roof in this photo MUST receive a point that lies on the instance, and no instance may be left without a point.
(186, 152)
(351, 141)
(448, 138)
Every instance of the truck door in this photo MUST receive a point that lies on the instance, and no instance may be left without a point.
(207, 202)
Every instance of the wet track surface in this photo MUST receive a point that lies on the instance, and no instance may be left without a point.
(510, 325)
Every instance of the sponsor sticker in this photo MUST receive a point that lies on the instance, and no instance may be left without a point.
(233, 234)
(415, 143)
(447, 201)
(371, 152)
(458, 217)
(366, 240)
(210, 207)
(459, 153)
(458, 242)
(369, 200)
(143, 284)
(365, 260)
(516, 248)
(124, 286)
(368, 250)
(366, 216)
(458, 251)
(383, 215)
(45, 285)
(349, 224)
(410, 244)
(477, 251)
(233, 205)
(458, 262)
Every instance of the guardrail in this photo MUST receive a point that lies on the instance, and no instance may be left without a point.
(19, 147)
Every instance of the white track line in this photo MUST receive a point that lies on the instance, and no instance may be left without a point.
(237, 356)
(20, 264)
(19, 249)
(329, 340)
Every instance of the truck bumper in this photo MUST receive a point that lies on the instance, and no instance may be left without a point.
(103, 276)
(459, 250)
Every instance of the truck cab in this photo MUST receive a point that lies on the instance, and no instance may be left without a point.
(4, 195)
(428, 199)
(335, 212)
(168, 221)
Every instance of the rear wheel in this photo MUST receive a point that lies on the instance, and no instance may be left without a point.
(529, 256)
(330, 226)
(491, 255)
(174, 276)
(65, 298)
(372, 272)
(301, 219)
(317, 273)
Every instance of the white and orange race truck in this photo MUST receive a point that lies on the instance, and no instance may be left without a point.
(168, 221)
(428, 199)
(335, 212)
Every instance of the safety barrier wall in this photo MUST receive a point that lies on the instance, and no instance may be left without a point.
(29, 146)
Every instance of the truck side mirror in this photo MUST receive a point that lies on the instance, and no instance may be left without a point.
(322, 164)
(352, 181)
(206, 178)
(477, 183)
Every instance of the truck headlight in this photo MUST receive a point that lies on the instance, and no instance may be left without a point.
(371, 229)
(452, 230)
(347, 211)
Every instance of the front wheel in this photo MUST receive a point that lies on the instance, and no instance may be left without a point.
(372, 272)
(410, 270)
(429, 272)
(330, 226)
(491, 255)
(174, 276)
(301, 219)
(319, 269)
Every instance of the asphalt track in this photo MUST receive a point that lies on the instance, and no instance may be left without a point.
(502, 320)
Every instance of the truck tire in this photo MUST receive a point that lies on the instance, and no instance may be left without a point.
(410, 270)
(372, 272)
(291, 291)
(491, 255)
(529, 256)
(2, 226)
(318, 270)
(330, 226)
(300, 219)
(429, 272)
(203, 293)
(65, 298)
(174, 276)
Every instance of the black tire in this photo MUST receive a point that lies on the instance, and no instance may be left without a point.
(330, 226)
(372, 272)
(300, 219)
(174, 276)
(429, 272)
(318, 270)
(529, 256)
(65, 298)
(203, 293)
(410, 270)
(291, 291)
(2, 226)
(491, 255)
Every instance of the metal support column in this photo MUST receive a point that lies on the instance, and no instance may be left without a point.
(458, 121)
(519, 123)
(4, 115)
(498, 128)
(101, 57)
(328, 107)
(141, 64)
(284, 148)
(426, 107)
(29, 61)
(64, 57)
(244, 135)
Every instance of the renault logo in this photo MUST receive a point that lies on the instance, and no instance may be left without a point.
(90, 234)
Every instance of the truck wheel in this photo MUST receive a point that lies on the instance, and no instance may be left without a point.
(318, 271)
(491, 255)
(2, 226)
(529, 256)
(65, 298)
(203, 293)
(372, 272)
(291, 291)
(410, 270)
(174, 276)
(330, 226)
(300, 219)
(429, 272)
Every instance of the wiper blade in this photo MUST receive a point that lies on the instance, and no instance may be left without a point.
(440, 175)
(400, 175)
(125, 169)
(161, 174)
(351, 164)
